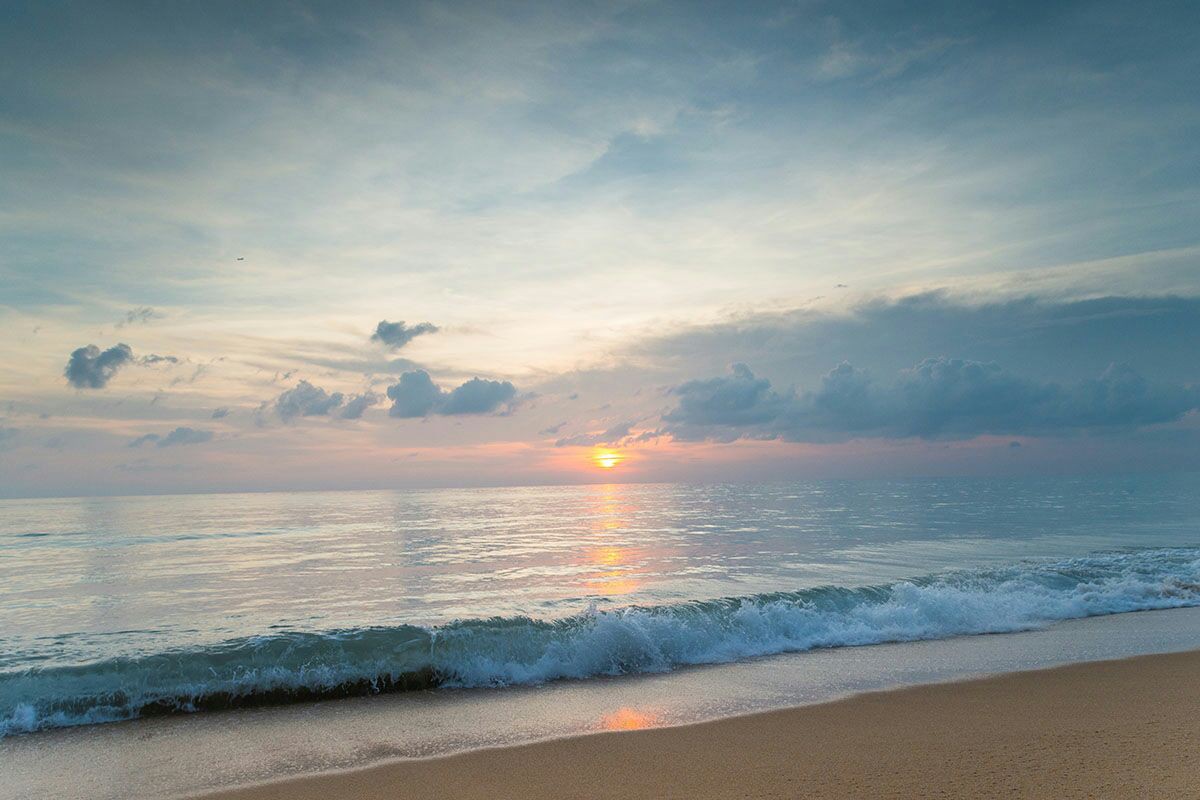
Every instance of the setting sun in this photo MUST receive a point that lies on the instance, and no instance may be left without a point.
(606, 459)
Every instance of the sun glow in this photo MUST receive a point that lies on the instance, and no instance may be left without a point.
(606, 459)
(630, 719)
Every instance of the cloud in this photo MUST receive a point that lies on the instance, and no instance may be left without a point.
(197, 373)
(185, 435)
(365, 366)
(552, 429)
(1051, 340)
(359, 403)
(91, 368)
(139, 316)
(220, 413)
(646, 436)
(416, 395)
(7, 437)
(478, 396)
(157, 359)
(179, 436)
(613, 436)
(395, 334)
(738, 400)
(306, 400)
(939, 398)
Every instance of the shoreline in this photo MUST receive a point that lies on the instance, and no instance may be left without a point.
(1122, 728)
(185, 756)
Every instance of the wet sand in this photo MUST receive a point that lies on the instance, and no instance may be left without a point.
(1116, 729)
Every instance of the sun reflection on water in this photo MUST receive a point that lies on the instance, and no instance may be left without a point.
(610, 563)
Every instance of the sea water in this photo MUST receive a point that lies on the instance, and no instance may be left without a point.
(116, 608)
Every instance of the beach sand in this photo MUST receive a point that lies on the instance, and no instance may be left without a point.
(1117, 729)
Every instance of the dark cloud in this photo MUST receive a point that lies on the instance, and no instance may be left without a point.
(91, 368)
(478, 396)
(139, 316)
(738, 400)
(306, 400)
(937, 398)
(179, 436)
(1051, 340)
(359, 403)
(416, 395)
(220, 413)
(396, 334)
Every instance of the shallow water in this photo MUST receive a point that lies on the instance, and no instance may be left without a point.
(114, 607)
(185, 755)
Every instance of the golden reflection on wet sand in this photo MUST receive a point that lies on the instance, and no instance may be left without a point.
(630, 719)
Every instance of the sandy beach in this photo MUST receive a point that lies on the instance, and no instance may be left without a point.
(1116, 729)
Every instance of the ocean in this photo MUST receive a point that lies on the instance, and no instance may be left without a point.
(126, 607)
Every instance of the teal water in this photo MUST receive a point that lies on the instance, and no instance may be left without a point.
(121, 607)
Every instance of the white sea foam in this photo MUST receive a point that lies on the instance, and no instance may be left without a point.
(507, 651)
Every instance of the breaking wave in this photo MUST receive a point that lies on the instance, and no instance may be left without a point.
(299, 666)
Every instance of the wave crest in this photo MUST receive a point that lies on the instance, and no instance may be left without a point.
(300, 666)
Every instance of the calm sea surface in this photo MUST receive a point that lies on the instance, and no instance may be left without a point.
(112, 606)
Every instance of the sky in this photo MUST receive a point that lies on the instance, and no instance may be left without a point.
(314, 245)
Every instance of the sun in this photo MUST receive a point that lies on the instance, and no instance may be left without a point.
(606, 459)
